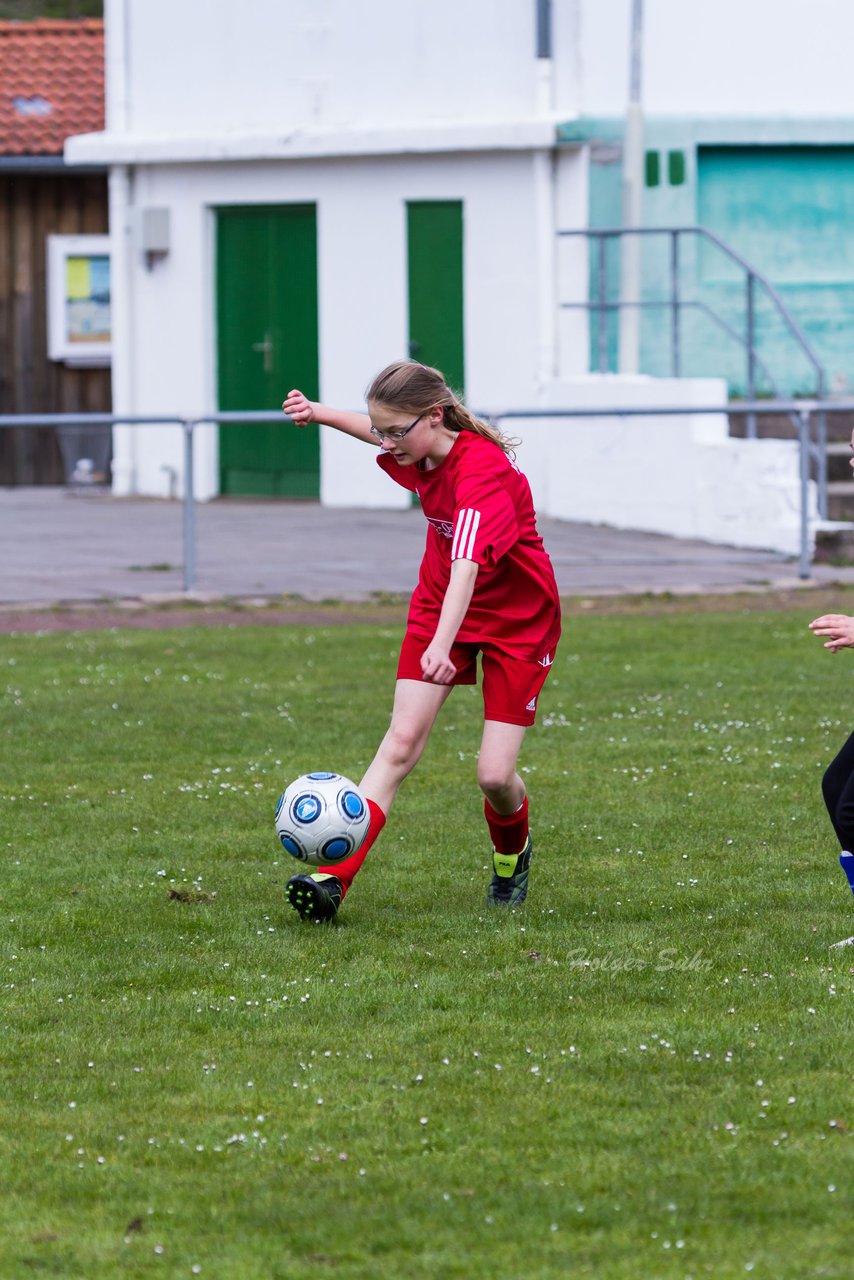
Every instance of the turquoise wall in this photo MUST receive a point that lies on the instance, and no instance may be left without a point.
(782, 195)
(790, 212)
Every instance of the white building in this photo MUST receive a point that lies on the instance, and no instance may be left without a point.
(304, 190)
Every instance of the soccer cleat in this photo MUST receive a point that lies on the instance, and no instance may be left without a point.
(846, 942)
(509, 884)
(315, 898)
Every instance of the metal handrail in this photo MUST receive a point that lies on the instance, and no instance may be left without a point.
(187, 423)
(693, 304)
(801, 412)
(676, 304)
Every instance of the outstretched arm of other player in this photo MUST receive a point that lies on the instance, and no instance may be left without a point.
(436, 664)
(302, 411)
(838, 626)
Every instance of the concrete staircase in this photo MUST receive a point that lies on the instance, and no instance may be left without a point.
(832, 543)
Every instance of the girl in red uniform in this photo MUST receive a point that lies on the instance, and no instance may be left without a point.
(486, 585)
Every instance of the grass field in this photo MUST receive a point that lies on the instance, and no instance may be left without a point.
(644, 1073)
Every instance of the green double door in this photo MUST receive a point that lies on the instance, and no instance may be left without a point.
(267, 342)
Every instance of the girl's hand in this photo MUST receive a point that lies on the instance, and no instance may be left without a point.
(838, 626)
(436, 665)
(298, 408)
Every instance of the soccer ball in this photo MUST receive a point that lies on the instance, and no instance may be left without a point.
(322, 818)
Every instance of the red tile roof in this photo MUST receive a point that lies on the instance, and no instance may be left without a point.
(51, 84)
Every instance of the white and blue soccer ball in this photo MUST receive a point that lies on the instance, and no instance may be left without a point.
(322, 818)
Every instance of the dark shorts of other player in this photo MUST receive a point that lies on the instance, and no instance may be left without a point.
(510, 686)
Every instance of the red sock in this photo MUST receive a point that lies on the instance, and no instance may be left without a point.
(345, 871)
(509, 831)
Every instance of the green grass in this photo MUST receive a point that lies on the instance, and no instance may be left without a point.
(645, 1073)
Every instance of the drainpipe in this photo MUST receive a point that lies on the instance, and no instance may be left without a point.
(121, 196)
(544, 203)
(125, 462)
(630, 247)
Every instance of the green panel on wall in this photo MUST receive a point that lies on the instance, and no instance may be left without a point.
(652, 168)
(435, 280)
(267, 342)
(676, 168)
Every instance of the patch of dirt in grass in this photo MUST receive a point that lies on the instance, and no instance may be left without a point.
(191, 895)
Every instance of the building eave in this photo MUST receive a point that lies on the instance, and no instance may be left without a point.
(46, 164)
(310, 144)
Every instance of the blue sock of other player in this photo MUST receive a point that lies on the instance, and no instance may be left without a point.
(837, 787)
(846, 862)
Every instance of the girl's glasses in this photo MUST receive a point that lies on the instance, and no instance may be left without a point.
(395, 436)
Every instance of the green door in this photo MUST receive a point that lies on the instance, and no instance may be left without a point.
(266, 297)
(435, 272)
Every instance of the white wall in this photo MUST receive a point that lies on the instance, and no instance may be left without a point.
(680, 475)
(727, 58)
(284, 66)
(273, 65)
(279, 67)
(167, 362)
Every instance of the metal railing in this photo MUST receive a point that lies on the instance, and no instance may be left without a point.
(755, 282)
(187, 424)
(676, 304)
(800, 411)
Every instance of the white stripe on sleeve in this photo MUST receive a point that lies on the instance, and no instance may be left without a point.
(464, 534)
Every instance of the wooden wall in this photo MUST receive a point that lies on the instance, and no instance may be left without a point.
(32, 207)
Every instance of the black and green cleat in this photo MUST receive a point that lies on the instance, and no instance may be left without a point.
(316, 898)
(509, 884)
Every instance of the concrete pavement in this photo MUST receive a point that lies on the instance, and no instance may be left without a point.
(60, 545)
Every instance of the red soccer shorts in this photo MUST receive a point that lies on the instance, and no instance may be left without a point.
(510, 686)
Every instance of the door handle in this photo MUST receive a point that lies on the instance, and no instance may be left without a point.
(267, 347)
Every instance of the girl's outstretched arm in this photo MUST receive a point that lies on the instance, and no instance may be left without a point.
(839, 627)
(302, 411)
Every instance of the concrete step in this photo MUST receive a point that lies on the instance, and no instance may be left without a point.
(840, 500)
(779, 426)
(839, 461)
(834, 541)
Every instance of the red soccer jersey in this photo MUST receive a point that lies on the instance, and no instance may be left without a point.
(478, 507)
